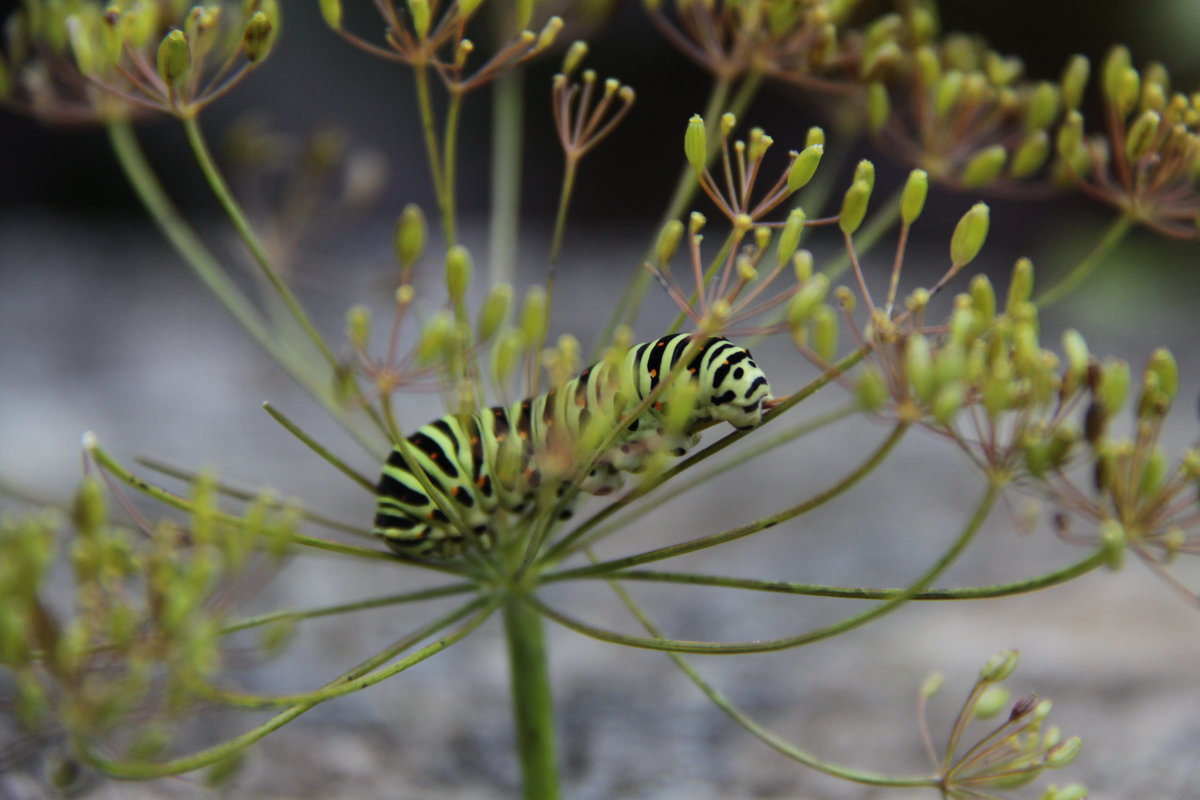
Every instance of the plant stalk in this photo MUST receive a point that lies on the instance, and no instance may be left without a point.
(533, 707)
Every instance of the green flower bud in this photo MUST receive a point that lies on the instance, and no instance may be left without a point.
(458, 273)
(1070, 136)
(854, 207)
(1114, 386)
(419, 9)
(88, 511)
(695, 144)
(758, 145)
(1142, 134)
(1153, 473)
(802, 264)
(534, 318)
(932, 684)
(949, 89)
(81, 46)
(984, 167)
(410, 236)
(696, 223)
(1036, 449)
(1020, 285)
(879, 106)
(992, 701)
(804, 303)
(865, 171)
(174, 59)
(912, 201)
(1031, 155)
(1062, 442)
(871, 390)
(1128, 90)
(815, 135)
(1112, 543)
(789, 238)
(947, 402)
(201, 29)
(929, 66)
(1116, 64)
(728, 123)
(258, 38)
(804, 166)
(358, 325)
(878, 60)
(825, 332)
(437, 338)
(1074, 791)
(1074, 79)
(506, 355)
(918, 367)
(549, 33)
(999, 666)
(1044, 105)
(331, 10)
(1076, 350)
(668, 242)
(983, 298)
(1163, 365)
(969, 235)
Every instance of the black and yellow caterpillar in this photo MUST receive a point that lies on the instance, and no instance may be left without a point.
(502, 459)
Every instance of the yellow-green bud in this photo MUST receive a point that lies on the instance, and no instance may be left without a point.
(871, 390)
(929, 66)
(358, 325)
(506, 354)
(845, 298)
(759, 142)
(878, 59)
(854, 207)
(1070, 136)
(668, 241)
(574, 57)
(999, 666)
(1076, 350)
(258, 38)
(932, 684)
(174, 58)
(1074, 79)
(984, 167)
(458, 272)
(789, 238)
(728, 123)
(331, 10)
(1163, 365)
(88, 511)
(410, 235)
(696, 223)
(825, 332)
(1142, 134)
(1129, 88)
(912, 201)
(983, 298)
(533, 314)
(991, 702)
(1153, 472)
(1031, 155)
(949, 88)
(865, 171)
(419, 9)
(81, 45)
(805, 302)
(695, 144)
(879, 106)
(437, 338)
(1060, 755)
(201, 29)
(947, 402)
(1044, 105)
(969, 235)
(804, 166)
(549, 33)
(802, 264)
(1020, 285)
(1112, 543)
(745, 267)
(918, 367)
(762, 239)
(815, 135)
(1114, 386)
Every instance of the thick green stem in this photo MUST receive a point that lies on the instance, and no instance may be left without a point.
(1112, 237)
(508, 108)
(450, 167)
(533, 707)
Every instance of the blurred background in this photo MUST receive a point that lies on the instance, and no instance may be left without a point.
(102, 329)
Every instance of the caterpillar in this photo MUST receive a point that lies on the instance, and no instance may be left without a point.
(504, 458)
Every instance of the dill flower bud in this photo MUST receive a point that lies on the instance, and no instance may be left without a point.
(174, 58)
(331, 10)
(1164, 367)
(969, 235)
(912, 201)
(984, 167)
(458, 273)
(258, 38)
(983, 298)
(854, 207)
(419, 9)
(804, 303)
(695, 144)
(789, 238)
(1074, 79)
(410, 236)
(574, 57)
(1142, 135)
(825, 332)
(1031, 155)
(1114, 386)
(878, 106)
(804, 166)
(358, 325)
(870, 389)
(999, 666)
(668, 241)
(1020, 285)
(533, 314)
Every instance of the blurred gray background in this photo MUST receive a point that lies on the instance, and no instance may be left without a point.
(102, 329)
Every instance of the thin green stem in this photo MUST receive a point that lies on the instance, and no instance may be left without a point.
(202, 262)
(880, 223)
(358, 678)
(1112, 237)
(771, 739)
(429, 133)
(317, 448)
(564, 204)
(533, 707)
(508, 108)
(220, 188)
(344, 608)
(841, 486)
(1067, 573)
(771, 645)
(450, 166)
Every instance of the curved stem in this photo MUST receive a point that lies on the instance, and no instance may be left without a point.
(772, 740)
(220, 188)
(508, 107)
(358, 678)
(533, 706)
(1067, 573)
(449, 166)
(312, 444)
(671, 551)
(1112, 237)
(564, 203)
(429, 133)
(849, 623)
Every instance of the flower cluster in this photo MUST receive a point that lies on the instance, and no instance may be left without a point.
(84, 61)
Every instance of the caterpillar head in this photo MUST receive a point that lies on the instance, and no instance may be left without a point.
(739, 389)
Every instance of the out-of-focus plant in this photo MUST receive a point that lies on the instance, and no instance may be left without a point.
(146, 640)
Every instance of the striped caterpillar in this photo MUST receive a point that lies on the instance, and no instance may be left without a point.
(498, 459)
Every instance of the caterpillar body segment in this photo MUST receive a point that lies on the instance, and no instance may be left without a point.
(512, 460)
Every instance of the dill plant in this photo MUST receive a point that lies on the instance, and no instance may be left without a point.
(141, 644)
